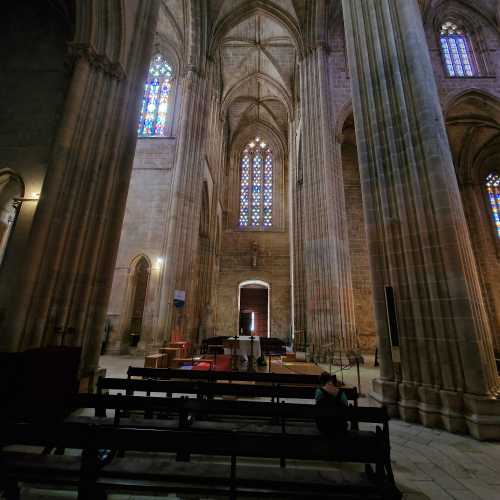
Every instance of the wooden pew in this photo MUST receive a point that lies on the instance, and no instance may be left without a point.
(213, 376)
(281, 414)
(143, 474)
(204, 389)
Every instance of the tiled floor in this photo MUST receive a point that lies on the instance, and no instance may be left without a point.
(427, 463)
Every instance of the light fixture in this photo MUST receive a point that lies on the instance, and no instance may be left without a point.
(159, 262)
(35, 196)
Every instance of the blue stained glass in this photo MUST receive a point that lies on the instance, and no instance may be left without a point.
(154, 108)
(493, 189)
(244, 191)
(456, 51)
(256, 185)
(268, 191)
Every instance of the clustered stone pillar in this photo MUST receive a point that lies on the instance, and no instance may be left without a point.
(65, 281)
(298, 285)
(417, 232)
(181, 246)
(330, 305)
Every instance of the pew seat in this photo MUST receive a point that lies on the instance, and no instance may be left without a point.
(149, 465)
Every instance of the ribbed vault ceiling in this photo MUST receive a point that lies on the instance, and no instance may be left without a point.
(257, 58)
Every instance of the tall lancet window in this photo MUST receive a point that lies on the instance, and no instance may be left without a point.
(155, 101)
(493, 190)
(256, 186)
(457, 51)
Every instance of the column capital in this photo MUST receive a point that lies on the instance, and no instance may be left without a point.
(101, 62)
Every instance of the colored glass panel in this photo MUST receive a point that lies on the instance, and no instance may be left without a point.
(154, 108)
(267, 212)
(456, 51)
(493, 190)
(256, 189)
(256, 185)
(244, 191)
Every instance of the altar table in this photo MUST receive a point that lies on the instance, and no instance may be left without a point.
(243, 346)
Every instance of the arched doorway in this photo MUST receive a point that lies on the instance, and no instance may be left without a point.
(254, 308)
(140, 280)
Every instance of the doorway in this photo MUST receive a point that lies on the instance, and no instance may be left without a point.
(254, 309)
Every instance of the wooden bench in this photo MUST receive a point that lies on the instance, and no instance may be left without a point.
(283, 417)
(213, 376)
(202, 389)
(146, 472)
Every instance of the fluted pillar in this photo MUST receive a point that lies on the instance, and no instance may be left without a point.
(295, 180)
(418, 238)
(65, 279)
(329, 299)
(181, 245)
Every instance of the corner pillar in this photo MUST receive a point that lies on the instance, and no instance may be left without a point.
(418, 238)
(329, 298)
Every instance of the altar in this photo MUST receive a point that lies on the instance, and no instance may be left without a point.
(242, 346)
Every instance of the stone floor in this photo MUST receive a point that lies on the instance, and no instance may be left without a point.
(427, 463)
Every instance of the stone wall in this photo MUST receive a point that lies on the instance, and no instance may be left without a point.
(358, 245)
(273, 267)
(143, 233)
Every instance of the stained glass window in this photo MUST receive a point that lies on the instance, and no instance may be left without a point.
(493, 190)
(256, 185)
(456, 50)
(155, 101)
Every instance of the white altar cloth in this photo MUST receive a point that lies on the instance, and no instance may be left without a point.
(243, 347)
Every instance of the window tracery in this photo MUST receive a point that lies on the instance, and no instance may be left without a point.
(493, 190)
(457, 51)
(156, 98)
(256, 186)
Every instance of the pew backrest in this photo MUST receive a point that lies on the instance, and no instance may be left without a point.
(283, 411)
(214, 375)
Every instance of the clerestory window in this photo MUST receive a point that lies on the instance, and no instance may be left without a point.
(457, 51)
(493, 190)
(256, 186)
(155, 102)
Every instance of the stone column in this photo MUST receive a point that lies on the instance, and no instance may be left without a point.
(330, 305)
(181, 246)
(65, 280)
(297, 270)
(418, 239)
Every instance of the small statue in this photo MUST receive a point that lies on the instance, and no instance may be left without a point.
(255, 253)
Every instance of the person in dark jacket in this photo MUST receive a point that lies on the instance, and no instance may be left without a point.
(328, 396)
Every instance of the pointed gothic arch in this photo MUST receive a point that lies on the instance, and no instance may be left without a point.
(140, 276)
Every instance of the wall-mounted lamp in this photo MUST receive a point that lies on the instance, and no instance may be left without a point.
(159, 262)
(18, 201)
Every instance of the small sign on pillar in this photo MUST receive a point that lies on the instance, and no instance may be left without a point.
(179, 298)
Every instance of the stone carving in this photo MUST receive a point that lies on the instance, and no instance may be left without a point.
(255, 253)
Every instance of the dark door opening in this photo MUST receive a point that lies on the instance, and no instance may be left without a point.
(253, 311)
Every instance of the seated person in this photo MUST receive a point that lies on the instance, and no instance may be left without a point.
(328, 395)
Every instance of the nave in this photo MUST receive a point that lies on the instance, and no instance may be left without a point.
(427, 463)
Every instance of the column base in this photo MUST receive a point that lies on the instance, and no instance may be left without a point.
(385, 392)
(483, 416)
(453, 411)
